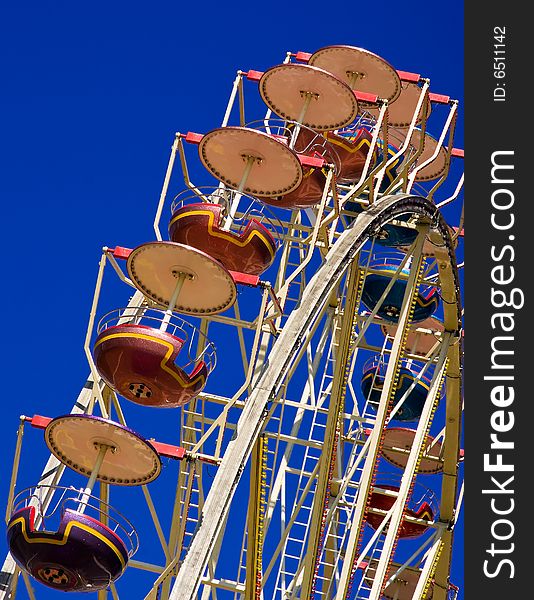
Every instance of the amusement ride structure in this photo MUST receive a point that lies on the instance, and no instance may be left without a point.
(327, 253)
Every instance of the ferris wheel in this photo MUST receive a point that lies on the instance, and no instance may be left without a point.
(302, 322)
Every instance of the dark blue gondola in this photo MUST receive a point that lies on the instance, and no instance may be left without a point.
(396, 236)
(372, 382)
(426, 301)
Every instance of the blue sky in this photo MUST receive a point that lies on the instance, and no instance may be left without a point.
(92, 96)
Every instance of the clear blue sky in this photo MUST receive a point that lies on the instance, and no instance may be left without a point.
(92, 95)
